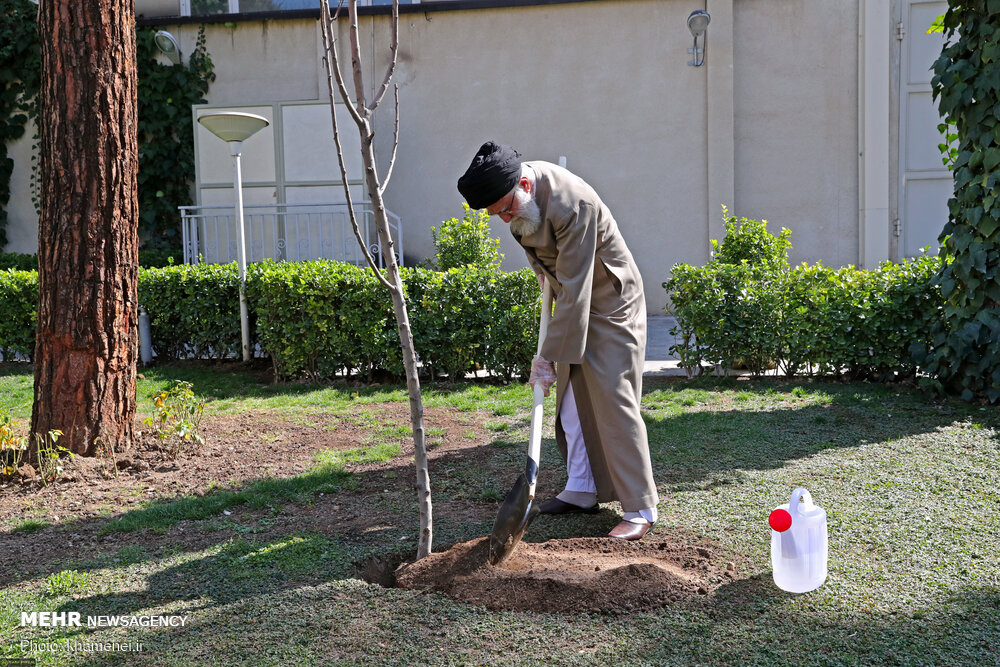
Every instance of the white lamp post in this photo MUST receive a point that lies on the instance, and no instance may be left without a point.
(234, 128)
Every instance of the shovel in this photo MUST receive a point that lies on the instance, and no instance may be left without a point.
(518, 508)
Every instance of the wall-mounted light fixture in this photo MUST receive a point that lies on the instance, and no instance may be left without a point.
(697, 23)
(166, 43)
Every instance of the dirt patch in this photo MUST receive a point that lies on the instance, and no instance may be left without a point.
(574, 576)
(238, 450)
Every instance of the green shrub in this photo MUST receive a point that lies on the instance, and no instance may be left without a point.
(963, 354)
(466, 241)
(474, 318)
(748, 241)
(194, 310)
(746, 308)
(322, 318)
(18, 305)
(18, 261)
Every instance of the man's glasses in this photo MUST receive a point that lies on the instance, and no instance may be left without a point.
(510, 206)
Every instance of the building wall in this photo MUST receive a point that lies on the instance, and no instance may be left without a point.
(606, 85)
(22, 219)
(796, 120)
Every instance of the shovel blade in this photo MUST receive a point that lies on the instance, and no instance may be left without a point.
(513, 518)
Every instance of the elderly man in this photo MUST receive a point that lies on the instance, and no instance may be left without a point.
(597, 335)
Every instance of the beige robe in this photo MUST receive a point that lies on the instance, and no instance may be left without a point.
(597, 335)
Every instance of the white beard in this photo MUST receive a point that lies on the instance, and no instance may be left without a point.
(529, 216)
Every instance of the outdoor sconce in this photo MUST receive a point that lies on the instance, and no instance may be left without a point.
(166, 43)
(697, 23)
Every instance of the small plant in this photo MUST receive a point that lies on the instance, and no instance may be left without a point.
(67, 582)
(748, 241)
(12, 447)
(50, 455)
(466, 241)
(106, 454)
(177, 419)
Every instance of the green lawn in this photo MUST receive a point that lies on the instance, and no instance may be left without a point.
(910, 486)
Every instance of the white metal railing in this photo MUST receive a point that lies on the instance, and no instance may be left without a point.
(293, 232)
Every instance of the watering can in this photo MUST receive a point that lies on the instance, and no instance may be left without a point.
(798, 544)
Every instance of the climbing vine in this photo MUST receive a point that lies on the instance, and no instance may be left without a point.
(20, 67)
(166, 137)
(964, 354)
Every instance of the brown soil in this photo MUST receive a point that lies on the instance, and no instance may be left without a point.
(238, 450)
(573, 576)
(560, 575)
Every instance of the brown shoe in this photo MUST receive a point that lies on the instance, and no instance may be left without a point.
(627, 530)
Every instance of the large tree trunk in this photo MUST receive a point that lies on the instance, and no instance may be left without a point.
(85, 350)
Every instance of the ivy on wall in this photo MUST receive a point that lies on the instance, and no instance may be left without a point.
(166, 136)
(20, 67)
(964, 352)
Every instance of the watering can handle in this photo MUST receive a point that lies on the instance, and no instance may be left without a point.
(793, 505)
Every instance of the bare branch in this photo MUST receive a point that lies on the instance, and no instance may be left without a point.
(331, 58)
(393, 48)
(327, 29)
(359, 83)
(395, 144)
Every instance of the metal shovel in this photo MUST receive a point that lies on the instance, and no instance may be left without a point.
(519, 508)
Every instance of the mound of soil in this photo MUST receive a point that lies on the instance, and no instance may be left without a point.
(574, 575)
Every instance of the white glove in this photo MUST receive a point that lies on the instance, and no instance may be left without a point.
(543, 374)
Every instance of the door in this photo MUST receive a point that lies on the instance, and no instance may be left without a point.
(925, 183)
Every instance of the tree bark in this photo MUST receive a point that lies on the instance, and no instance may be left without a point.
(86, 340)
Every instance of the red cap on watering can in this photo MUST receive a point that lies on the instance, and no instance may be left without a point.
(780, 520)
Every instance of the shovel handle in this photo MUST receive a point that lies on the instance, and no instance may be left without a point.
(538, 398)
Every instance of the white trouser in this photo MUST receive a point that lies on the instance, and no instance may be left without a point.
(577, 462)
(580, 487)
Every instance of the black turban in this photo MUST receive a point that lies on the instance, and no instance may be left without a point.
(493, 173)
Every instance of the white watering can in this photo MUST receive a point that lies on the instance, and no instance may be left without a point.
(798, 544)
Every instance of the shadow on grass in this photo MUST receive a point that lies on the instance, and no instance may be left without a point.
(754, 622)
(690, 447)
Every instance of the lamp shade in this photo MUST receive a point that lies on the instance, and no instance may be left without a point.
(166, 43)
(233, 125)
(698, 21)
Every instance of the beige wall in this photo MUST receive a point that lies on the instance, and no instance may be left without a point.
(796, 119)
(605, 84)
(22, 220)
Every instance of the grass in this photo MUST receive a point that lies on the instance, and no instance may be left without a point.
(327, 476)
(909, 485)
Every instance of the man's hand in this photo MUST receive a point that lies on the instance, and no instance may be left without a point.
(543, 374)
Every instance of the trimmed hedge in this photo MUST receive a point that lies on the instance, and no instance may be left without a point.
(322, 318)
(19, 306)
(810, 319)
(194, 310)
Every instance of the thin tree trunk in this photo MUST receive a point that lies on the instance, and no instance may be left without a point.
(85, 350)
(361, 113)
